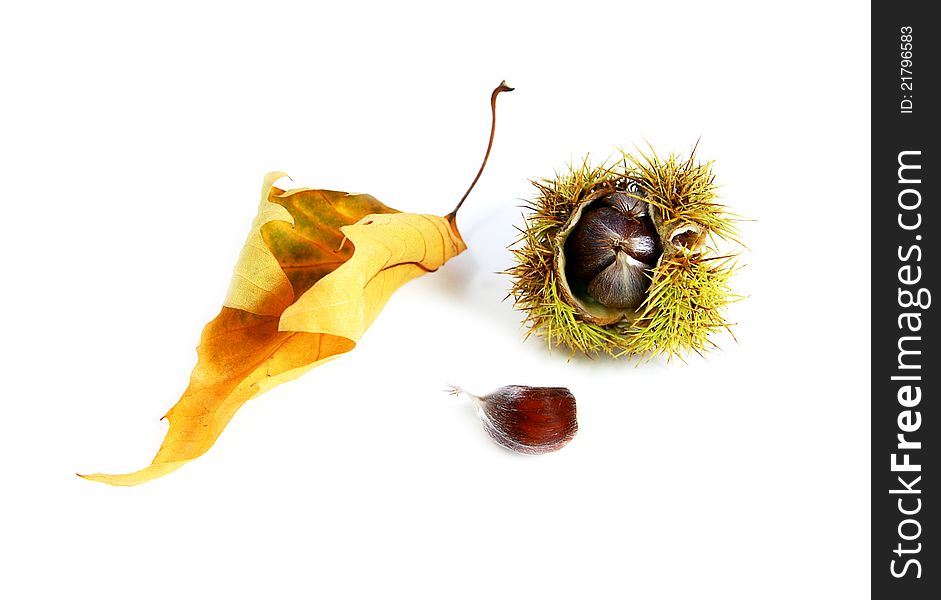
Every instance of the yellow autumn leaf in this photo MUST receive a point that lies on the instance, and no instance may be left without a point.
(299, 296)
(315, 271)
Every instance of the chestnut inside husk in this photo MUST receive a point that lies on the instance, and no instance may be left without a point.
(610, 250)
(613, 257)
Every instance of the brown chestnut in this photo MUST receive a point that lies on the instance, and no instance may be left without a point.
(529, 420)
(611, 249)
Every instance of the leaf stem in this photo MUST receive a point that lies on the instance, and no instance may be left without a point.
(503, 87)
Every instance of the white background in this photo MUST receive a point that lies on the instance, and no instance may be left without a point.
(134, 142)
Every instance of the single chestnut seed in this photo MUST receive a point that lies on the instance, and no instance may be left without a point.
(529, 420)
(611, 249)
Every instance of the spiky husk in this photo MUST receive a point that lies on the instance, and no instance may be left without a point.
(689, 289)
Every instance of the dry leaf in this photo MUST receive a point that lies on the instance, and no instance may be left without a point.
(297, 299)
(316, 269)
